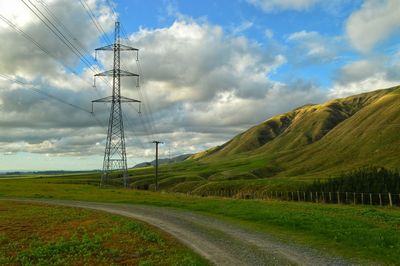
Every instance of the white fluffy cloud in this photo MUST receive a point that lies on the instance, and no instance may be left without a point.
(190, 62)
(310, 47)
(366, 75)
(374, 22)
(276, 5)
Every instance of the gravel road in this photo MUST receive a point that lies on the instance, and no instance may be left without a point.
(220, 242)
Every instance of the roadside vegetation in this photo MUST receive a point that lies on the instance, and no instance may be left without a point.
(40, 234)
(366, 234)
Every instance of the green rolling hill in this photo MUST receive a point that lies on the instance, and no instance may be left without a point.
(312, 141)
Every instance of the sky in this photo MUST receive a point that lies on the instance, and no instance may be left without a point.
(209, 70)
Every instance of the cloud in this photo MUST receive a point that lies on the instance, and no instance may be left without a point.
(279, 5)
(374, 22)
(189, 61)
(21, 49)
(269, 34)
(364, 75)
(204, 85)
(242, 27)
(375, 82)
(309, 47)
(30, 121)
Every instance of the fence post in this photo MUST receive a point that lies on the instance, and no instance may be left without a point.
(292, 196)
(347, 198)
(338, 197)
(362, 198)
(354, 198)
(380, 199)
(316, 197)
(390, 199)
(330, 197)
(370, 199)
(304, 194)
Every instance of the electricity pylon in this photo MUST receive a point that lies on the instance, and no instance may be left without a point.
(115, 153)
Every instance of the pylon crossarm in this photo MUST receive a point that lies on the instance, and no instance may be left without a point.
(111, 47)
(128, 100)
(102, 100)
(116, 72)
(127, 73)
(122, 99)
(127, 48)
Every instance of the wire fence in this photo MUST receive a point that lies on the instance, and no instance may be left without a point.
(380, 199)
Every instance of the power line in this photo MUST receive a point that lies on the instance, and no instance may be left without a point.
(147, 106)
(148, 117)
(72, 36)
(113, 10)
(132, 129)
(44, 50)
(48, 95)
(95, 22)
(67, 38)
(50, 25)
(45, 93)
(98, 25)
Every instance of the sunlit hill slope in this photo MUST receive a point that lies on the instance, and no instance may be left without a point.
(315, 140)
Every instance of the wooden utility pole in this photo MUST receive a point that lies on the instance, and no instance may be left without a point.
(157, 142)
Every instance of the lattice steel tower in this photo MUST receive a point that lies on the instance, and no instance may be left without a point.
(115, 153)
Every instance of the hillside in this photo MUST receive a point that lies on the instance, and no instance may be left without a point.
(175, 159)
(312, 141)
(303, 126)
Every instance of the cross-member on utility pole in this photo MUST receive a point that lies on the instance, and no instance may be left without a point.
(157, 142)
(115, 153)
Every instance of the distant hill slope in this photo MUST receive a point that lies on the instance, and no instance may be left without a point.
(354, 131)
(164, 161)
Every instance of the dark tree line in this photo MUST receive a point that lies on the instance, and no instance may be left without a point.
(368, 179)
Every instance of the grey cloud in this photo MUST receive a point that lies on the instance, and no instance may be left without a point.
(25, 59)
(24, 107)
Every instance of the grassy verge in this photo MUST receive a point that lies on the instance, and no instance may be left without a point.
(360, 233)
(35, 234)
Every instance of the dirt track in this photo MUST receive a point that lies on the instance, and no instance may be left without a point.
(220, 242)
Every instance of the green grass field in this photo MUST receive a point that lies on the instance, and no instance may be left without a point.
(39, 234)
(359, 233)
